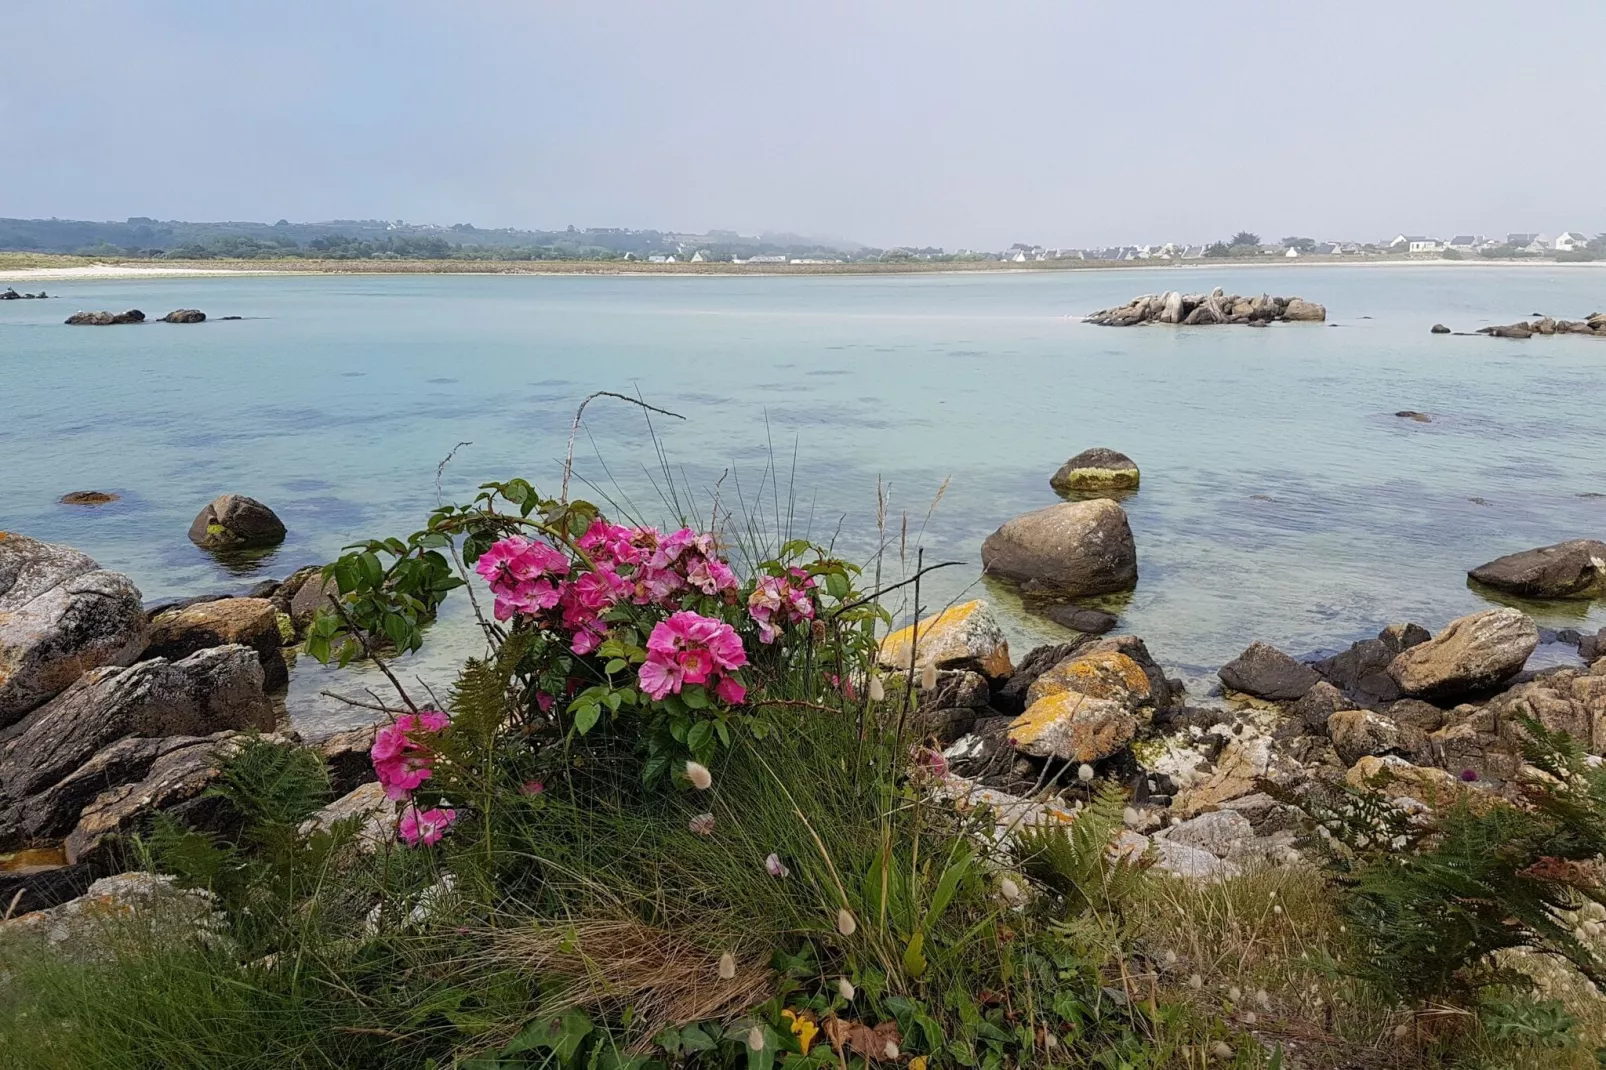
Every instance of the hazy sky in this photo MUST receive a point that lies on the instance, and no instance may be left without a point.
(1077, 122)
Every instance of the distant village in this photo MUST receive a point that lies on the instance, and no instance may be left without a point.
(1566, 245)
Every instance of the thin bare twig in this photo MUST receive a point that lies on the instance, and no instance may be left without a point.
(873, 595)
(348, 700)
(368, 650)
(574, 429)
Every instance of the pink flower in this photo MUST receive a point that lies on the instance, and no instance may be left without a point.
(532, 787)
(401, 762)
(659, 676)
(710, 575)
(544, 702)
(689, 648)
(670, 547)
(778, 600)
(729, 691)
(521, 574)
(425, 828)
(607, 543)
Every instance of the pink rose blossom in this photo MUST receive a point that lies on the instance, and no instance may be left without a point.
(425, 828)
(401, 762)
(689, 648)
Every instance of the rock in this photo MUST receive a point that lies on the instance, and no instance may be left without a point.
(1514, 330)
(1414, 713)
(1100, 674)
(1096, 471)
(1439, 328)
(1266, 672)
(1219, 832)
(1574, 569)
(77, 928)
(965, 636)
(1412, 414)
(177, 783)
(1299, 309)
(185, 315)
(942, 724)
(87, 497)
(1470, 654)
(366, 804)
(1086, 621)
(1434, 787)
(1359, 733)
(1319, 703)
(1011, 697)
(61, 615)
(345, 755)
(1591, 647)
(25, 888)
(105, 319)
(211, 690)
(1569, 700)
(1362, 670)
(1133, 647)
(251, 622)
(1181, 860)
(1079, 548)
(1073, 727)
(958, 689)
(235, 522)
(310, 595)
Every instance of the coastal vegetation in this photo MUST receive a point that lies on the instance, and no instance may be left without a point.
(694, 807)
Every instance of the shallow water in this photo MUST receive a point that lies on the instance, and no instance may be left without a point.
(1282, 500)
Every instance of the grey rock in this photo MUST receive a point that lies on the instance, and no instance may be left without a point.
(1574, 569)
(1363, 668)
(251, 622)
(1078, 548)
(105, 319)
(61, 615)
(1097, 471)
(235, 522)
(1319, 703)
(1472, 653)
(1439, 328)
(1086, 621)
(1358, 733)
(1299, 309)
(1266, 672)
(185, 315)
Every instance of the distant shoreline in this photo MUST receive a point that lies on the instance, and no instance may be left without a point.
(18, 268)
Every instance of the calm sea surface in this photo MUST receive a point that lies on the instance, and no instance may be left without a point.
(1282, 500)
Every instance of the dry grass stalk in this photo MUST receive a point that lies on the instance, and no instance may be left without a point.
(610, 963)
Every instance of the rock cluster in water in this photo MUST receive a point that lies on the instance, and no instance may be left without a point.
(1215, 307)
(10, 294)
(133, 315)
(1593, 325)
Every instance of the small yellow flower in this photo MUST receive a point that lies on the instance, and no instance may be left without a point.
(802, 1028)
(917, 1063)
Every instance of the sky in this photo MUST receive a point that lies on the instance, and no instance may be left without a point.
(890, 122)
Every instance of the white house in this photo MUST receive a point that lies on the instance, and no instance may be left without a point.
(1569, 242)
(1465, 243)
(698, 257)
(1416, 243)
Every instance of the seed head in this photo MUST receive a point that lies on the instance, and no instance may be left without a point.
(845, 923)
(1084, 773)
(844, 988)
(928, 677)
(727, 966)
(700, 777)
(755, 1038)
(877, 691)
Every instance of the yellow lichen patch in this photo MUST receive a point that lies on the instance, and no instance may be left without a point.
(1105, 674)
(1072, 726)
(966, 633)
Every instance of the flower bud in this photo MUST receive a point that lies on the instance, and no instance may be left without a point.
(775, 867)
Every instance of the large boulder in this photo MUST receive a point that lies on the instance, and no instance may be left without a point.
(1472, 653)
(966, 636)
(209, 691)
(1074, 727)
(61, 615)
(1077, 548)
(185, 315)
(1101, 674)
(1569, 699)
(1266, 672)
(1300, 309)
(235, 522)
(1574, 569)
(1359, 733)
(252, 622)
(1096, 471)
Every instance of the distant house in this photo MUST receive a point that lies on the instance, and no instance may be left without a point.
(1328, 248)
(1291, 253)
(699, 258)
(766, 260)
(1416, 243)
(1569, 242)
(1520, 240)
(658, 258)
(1193, 252)
(1465, 243)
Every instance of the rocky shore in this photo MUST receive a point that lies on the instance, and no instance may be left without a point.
(1173, 307)
(1593, 326)
(111, 710)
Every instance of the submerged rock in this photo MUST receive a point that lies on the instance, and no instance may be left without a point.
(1574, 569)
(1096, 471)
(235, 522)
(1086, 621)
(87, 497)
(1472, 653)
(1439, 328)
(61, 615)
(1077, 548)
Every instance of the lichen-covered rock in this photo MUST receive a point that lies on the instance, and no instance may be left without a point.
(965, 636)
(1472, 653)
(1266, 672)
(1101, 674)
(78, 928)
(1077, 548)
(235, 522)
(105, 319)
(1096, 471)
(1575, 569)
(1074, 727)
(1357, 734)
(61, 615)
(1011, 696)
(1396, 776)
(1566, 700)
(252, 622)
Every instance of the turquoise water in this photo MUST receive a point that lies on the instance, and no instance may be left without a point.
(1281, 498)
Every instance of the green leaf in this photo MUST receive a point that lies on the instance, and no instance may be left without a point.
(692, 1038)
(695, 697)
(948, 884)
(914, 959)
(562, 1035)
(701, 734)
(837, 585)
(615, 665)
(586, 718)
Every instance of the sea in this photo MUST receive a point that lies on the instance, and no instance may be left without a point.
(893, 418)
